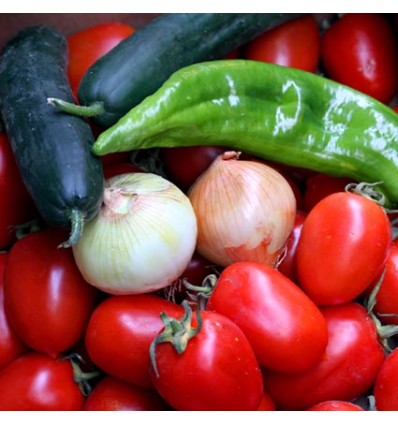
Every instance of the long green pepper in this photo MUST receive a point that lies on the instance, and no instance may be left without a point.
(276, 113)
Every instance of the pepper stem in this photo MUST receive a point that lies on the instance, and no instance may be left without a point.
(176, 332)
(96, 108)
(77, 224)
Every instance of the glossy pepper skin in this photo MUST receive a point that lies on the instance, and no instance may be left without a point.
(273, 112)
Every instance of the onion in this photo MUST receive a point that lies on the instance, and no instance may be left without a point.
(142, 239)
(245, 211)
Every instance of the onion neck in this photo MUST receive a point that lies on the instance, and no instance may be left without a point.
(118, 201)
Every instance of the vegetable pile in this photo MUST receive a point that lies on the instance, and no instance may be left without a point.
(214, 229)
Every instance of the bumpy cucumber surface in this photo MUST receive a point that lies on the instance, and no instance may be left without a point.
(140, 64)
(52, 148)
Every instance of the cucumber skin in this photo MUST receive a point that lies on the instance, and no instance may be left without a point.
(52, 149)
(141, 63)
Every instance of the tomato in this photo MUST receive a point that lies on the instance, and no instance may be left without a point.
(336, 405)
(386, 307)
(16, 204)
(35, 381)
(385, 389)
(395, 108)
(90, 44)
(360, 50)
(266, 403)
(321, 185)
(344, 245)
(348, 369)
(295, 43)
(48, 301)
(287, 265)
(183, 165)
(285, 328)
(120, 332)
(114, 394)
(216, 371)
(11, 345)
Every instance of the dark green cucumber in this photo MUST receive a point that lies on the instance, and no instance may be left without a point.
(140, 64)
(52, 149)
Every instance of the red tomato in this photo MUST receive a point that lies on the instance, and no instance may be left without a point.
(288, 264)
(266, 404)
(36, 381)
(16, 204)
(386, 307)
(11, 346)
(360, 51)
(48, 301)
(395, 108)
(321, 185)
(344, 245)
(114, 394)
(295, 43)
(385, 389)
(183, 165)
(285, 328)
(90, 44)
(217, 370)
(336, 405)
(348, 369)
(120, 332)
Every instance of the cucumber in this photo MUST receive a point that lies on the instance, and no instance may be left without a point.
(52, 149)
(140, 64)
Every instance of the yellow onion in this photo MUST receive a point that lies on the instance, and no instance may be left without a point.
(245, 211)
(142, 239)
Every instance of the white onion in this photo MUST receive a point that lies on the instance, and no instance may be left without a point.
(245, 211)
(142, 239)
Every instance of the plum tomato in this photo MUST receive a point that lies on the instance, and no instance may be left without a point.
(295, 43)
(352, 360)
(285, 328)
(47, 300)
(344, 245)
(207, 367)
(335, 405)
(360, 50)
(385, 390)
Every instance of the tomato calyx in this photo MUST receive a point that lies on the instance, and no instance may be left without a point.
(201, 294)
(384, 332)
(82, 379)
(176, 332)
(368, 191)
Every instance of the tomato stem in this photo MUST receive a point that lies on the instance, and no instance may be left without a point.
(176, 332)
(201, 293)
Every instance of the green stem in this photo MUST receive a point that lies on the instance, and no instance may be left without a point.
(77, 224)
(367, 190)
(96, 108)
(176, 332)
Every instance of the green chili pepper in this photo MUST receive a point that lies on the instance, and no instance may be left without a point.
(276, 113)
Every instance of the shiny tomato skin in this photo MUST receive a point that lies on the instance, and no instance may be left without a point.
(217, 371)
(114, 394)
(183, 165)
(348, 369)
(48, 301)
(385, 389)
(386, 307)
(120, 332)
(37, 382)
(11, 345)
(360, 51)
(344, 245)
(335, 405)
(266, 404)
(16, 204)
(285, 328)
(295, 43)
(89, 45)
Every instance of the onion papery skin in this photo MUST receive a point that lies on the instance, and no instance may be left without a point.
(141, 240)
(245, 211)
